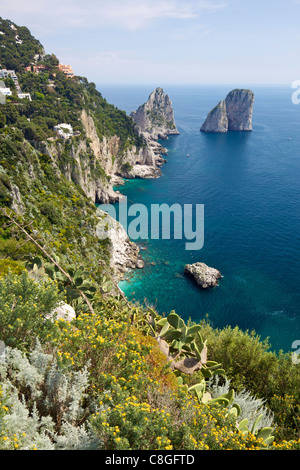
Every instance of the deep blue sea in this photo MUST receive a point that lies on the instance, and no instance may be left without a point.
(249, 186)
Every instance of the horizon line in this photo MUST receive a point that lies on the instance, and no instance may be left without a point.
(188, 84)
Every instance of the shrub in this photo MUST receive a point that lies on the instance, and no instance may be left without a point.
(42, 404)
(14, 249)
(126, 167)
(287, 412)
(250, 407)
(49, 210)
(129, 424)
(24, 309)
(9, 265)
(116, 352)
(166, 421)
(250, 364)
(5, 195)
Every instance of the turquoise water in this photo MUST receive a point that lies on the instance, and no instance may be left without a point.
(249, 185)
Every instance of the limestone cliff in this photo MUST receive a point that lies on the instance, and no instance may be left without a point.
(217, 120)
(124, 253)
(97, 164)
(156, 116)
(155, 119)
(134, 162)
(232, 114)
(239, 104)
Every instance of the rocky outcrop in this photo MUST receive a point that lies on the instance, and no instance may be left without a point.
(135, 162)
(217, 120)
(64, 312)
(124, 253)
(97, 165)
(155, 118)
(154, 121)
(239, 104)
(232, 114)
(204, 276)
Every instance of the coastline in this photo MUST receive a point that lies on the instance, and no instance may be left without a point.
(228, 173)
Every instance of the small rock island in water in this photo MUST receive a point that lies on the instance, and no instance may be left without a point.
(204, 276)
(232, 114)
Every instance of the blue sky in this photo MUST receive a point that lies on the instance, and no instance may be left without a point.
(239, 42)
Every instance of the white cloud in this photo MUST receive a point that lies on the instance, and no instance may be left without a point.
(100, 39)
(128, 14)
(139, 14)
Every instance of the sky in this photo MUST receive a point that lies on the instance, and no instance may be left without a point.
(240, 42)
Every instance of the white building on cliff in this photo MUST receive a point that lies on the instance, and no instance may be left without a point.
(65, 131)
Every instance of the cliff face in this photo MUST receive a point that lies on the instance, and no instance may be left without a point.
(232, 114)
(96, 165)
(239, 105)
(124, 253)
(217, 120)
(54, 181)
(155, 118)
(132, 163)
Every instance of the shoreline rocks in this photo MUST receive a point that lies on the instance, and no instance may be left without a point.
(203, 275)
(124, 253)
(232, 114)
(90, 152)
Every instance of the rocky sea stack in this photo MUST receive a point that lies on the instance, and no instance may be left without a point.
(232, 114)
(155, 118)
(204, 276)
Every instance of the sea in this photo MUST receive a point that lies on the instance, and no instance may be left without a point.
(248, 186)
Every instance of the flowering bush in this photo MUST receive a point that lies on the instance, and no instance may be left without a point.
(101, 382)
(287, 412)
(115, 350)
(142, 405)
(172, 421)
(24, 307)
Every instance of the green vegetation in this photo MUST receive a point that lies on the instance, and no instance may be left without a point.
(55, 97)
(110, 120)
(16, 56)
(118, 376)
(24, 307)
(58, 210)
(101, 382)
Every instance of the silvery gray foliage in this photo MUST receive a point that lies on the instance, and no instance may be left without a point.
(20, 370)
(71, 387)
(251, 407)
(34, 429)
(77, 438)
(36, 386)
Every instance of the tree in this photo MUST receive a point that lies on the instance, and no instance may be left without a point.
(51, 60)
